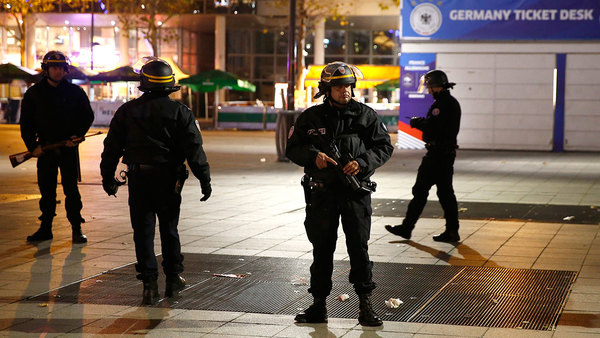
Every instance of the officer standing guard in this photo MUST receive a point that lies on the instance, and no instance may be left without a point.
(55, 110)
(155, 135)
(339, 143)
(440, 129)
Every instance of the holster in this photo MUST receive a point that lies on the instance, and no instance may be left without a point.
(305, 183)
(371, 186)
(181, 174)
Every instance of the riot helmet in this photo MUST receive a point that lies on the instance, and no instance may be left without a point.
(437, 78)
(335, 74)
(156, 75)
(54, 58)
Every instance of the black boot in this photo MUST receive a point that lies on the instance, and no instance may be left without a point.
(401, 230)
(175, 283)
(366, 315)
(316, 313)
(78, 236)
(44, 233)
(150, 294)
(447, 236)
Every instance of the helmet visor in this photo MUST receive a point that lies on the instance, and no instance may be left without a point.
(137, 67)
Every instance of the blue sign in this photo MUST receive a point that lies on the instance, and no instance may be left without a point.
(501, 20)
(412, 103)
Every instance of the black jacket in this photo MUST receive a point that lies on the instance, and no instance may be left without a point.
(53, 114)
(357, 130)
(440, 127)
(153, 129)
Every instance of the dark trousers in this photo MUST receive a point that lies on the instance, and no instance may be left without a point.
(152, 194)
(322, 221)
(437, 168)
(47, 171)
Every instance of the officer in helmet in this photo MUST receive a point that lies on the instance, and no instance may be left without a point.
(339, 143)
(54, 110)
(155, 135)
(440, 128)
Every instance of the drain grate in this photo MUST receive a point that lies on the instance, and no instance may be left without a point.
(456, 295)
(498, 297)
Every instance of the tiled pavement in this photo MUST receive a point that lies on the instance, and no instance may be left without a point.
(256, 210)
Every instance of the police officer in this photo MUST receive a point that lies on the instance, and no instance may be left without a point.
(337, 184)
(440, 129)
(55, 110)
(155, 135)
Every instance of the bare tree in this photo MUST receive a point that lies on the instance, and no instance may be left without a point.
(308, 14)
(150, 17)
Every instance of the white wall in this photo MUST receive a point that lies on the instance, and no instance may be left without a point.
(582, 102)
(506, 92)
(506, 99)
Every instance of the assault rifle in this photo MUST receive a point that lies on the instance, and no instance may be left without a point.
(351, 181)
(16, 159)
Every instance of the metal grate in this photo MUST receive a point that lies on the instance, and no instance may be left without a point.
(498, 297)
(456, 295)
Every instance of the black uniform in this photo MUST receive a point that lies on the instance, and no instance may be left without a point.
(440, 129)
(360, 135)
(50, 115)
(155, 135)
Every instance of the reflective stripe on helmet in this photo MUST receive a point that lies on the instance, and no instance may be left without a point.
(159, 79)
(329, 78)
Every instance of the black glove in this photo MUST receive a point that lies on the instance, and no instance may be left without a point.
(206, 191)
(111, 186)
(415, 122)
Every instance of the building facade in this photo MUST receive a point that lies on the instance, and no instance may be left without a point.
(246, 38)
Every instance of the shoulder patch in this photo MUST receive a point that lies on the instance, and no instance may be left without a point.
(435, 112)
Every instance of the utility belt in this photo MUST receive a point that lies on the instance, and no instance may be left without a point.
(309, 184)
(179, 172)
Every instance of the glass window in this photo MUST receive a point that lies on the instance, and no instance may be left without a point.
(358, 42)
(265, 90)
(281, 69)
(236, 95)
(263, 67)
(240, 66)
(384, 61)
(309, 44)
(329, 59)
(170, 46)
(238, 41)
(335, 42)
(385, 43)
(264, 42)
(359, 61)
(282, 43)
(309, 60)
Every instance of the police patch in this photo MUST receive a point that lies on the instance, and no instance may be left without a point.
(291, 132)
(435, 112)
